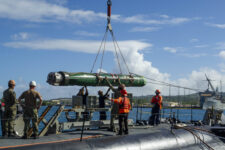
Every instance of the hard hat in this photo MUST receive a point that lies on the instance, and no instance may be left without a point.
(11, 82)
(123, 92)
(33, 83)
(157, 91)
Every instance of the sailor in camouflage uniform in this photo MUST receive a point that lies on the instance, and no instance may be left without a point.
(115, 106)
(30, 109)
(9, 97)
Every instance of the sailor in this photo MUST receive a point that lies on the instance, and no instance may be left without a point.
(157, 106)
(84, 96)
(124, 107)
(30, 108)
(115, 106)
(102, 99)
(2, 110)
(84, 99)
(9, 97)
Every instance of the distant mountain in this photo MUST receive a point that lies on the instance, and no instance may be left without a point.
(193, 99)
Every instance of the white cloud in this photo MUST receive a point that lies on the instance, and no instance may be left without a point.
(177, 20)
(76, 45)
(194, 40)
(222, 67)
(201, 46)
(144, 29)
(85, 33)
(60, 2)
(140, 19)
(194, 79)
(170, 49)
(220, 26)
(164, 16)
(101, 70)
(222, 54)
(143, 19)
(42, 11)
(21, 36)
(195, 55)
(220, 45)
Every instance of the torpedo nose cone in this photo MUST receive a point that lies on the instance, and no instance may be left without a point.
(54, 78)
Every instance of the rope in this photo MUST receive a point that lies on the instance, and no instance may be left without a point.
(197, 136)
(176, 139)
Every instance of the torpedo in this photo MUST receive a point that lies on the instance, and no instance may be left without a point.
(93, 79)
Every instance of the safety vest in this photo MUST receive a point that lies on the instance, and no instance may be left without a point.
(157, 99)
(124, 104)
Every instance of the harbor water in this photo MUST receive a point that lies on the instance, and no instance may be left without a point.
(184, 115)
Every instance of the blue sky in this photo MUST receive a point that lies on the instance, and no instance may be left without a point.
(175, 41)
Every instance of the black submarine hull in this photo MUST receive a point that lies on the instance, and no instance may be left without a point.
(160, 139)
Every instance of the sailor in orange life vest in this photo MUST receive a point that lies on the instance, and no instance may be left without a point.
(124, 108)
(157, 106)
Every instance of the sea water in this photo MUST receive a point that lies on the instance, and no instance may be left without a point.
(183, 115)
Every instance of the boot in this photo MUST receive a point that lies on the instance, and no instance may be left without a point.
(4, 136)
(126, 132)
(36, 136)
(120, 132)
(25, 136)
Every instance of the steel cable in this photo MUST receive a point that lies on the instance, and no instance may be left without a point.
(104, 37)
(117, 56)
(103, 51)
(114, 39)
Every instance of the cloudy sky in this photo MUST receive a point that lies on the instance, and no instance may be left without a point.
(175, 41)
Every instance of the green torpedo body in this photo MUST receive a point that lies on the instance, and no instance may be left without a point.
(94, 79)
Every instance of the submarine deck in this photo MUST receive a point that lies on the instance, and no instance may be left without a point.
(71, 136)
(157, 137)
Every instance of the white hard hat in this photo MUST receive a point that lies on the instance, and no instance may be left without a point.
(33, 83)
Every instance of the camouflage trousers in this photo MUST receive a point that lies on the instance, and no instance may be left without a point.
(112, 119)
(9, 120)
(114, 116)
(28, 115)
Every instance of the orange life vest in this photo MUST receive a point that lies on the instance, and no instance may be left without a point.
(157, 99)
(124, 104)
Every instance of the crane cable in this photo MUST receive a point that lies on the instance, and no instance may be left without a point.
(118, 61)
(114, 39)
(103, 39)
(116, 45)
(103, 52)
